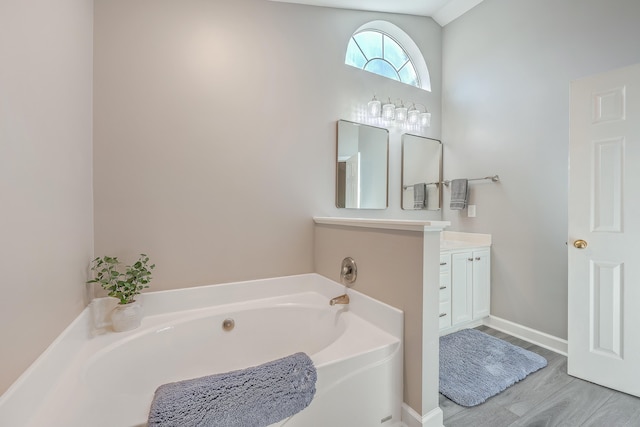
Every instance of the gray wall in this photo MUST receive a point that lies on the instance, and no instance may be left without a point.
(215, 127)
(46, 206)
(507, 67)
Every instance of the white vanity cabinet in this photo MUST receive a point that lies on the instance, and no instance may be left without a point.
(461, 287)
(481, 280)
(445, 290)
(465, 282)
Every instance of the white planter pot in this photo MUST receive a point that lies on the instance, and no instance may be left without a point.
(125, 317)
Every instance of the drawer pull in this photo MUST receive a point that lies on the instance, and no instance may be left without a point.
(469, 259)
(478, 258)
(443, 314)
(443, 287)
(443, 263)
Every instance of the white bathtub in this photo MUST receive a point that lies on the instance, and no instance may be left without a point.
(109, 380)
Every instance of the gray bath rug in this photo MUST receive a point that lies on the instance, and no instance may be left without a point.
(254, 397)
(475, 366)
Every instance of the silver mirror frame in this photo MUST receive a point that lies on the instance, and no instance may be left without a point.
(385, 140)
(434, 180)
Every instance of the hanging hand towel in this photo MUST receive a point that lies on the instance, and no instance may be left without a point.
(419, 196)
(459, 194)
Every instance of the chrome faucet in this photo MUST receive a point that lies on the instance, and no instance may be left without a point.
(348, 274)
(348, 271)
(342, 299)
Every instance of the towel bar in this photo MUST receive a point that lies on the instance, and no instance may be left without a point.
(494, 178)
(404, 187)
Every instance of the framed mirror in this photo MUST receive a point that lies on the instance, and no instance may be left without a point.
(362, 166)
(421, 173)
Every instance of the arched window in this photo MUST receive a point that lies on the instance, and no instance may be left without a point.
(382, 48)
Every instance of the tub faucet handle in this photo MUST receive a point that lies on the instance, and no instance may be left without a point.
(348, 271)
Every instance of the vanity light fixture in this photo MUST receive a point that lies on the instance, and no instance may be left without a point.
(401, 115)
(374, 107)
(415, 116)
(425, 119)
(388, 110)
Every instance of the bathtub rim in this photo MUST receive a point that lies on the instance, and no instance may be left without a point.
(179, 320)
(35, 383)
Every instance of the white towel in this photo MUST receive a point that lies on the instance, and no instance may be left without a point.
(459, 194)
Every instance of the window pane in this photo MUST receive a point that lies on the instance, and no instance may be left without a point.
(375, 51)
(394, 53)
(354, 55)
(408, 75)
(371, 43)
(383, 68)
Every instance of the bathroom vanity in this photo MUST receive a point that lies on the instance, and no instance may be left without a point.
(465, 280)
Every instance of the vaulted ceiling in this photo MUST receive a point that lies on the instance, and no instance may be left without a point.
(442, 11)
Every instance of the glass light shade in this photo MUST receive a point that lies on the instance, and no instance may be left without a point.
(388, 111)
(401, 114)
(374, 107)
(413, 116)
(425, 119)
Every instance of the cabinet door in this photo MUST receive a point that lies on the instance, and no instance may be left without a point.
(481, 283)
(445, 290)
(461, 287)
(444, 316)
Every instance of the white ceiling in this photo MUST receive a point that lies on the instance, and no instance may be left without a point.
(442, 11)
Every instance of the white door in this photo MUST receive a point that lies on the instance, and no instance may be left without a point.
(604, 230)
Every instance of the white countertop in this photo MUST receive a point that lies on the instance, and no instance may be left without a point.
(451, 240)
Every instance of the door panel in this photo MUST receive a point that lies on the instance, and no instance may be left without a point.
(608, 178)
(604, 211)
(606, 315)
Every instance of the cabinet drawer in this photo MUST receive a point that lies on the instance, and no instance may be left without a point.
(445, 287)
(445, 315)
(445, 263)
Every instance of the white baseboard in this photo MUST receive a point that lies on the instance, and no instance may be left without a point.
(411, 418)
(533, 336)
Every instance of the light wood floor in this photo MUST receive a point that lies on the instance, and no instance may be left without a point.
(547, 398)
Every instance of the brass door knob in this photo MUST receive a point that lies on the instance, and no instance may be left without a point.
(580, 244)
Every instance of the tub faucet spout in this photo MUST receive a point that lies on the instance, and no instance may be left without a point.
(342, 299)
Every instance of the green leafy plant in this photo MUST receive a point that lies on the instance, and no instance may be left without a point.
(122, 285)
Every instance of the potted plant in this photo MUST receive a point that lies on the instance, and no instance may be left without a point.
(125, 286)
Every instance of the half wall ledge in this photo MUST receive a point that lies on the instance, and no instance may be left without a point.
(389, 224)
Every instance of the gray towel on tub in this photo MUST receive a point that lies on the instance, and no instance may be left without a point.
(252, 397)
(459, 194)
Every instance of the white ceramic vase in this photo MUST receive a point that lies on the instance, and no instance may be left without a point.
(125, 317)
